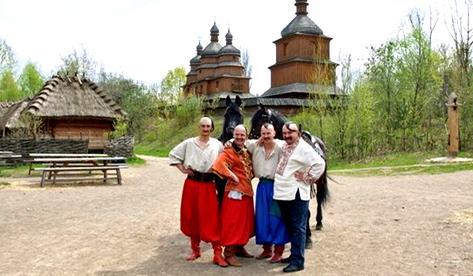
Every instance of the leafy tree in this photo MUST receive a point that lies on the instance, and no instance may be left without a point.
(171, 85)
(360, 140)
(8, 88)
(80, 63)
(381, 73)
(30, 80)
(137, 101)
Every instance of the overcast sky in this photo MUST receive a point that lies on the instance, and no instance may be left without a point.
(143, 39)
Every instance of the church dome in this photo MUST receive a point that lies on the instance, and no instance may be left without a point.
(301, 24)
(196, 59)
(229, 48)
(214, 47)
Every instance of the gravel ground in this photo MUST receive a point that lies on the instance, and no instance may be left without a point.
(397, 225)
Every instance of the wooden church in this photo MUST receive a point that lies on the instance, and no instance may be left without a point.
(302, 71)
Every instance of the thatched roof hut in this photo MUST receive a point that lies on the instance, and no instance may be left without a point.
(69, 108)
(64, 97)
(75, 108)
(10, 113)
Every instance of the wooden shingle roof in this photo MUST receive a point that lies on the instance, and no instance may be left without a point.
(73, 97)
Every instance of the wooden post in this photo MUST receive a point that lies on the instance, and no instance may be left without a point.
(453, 126)
(42, 178)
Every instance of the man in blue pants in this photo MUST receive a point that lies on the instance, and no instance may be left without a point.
(298, 167)
(270, 229)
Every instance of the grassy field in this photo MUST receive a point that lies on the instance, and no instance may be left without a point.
(391, 164)
(399, 163)
(12, 171)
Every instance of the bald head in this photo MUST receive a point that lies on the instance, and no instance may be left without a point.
(240, 128)
(205, 120)
(206, 126)
(239, 135)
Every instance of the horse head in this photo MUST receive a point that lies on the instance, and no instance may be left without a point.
(266, 115)
(233, 116)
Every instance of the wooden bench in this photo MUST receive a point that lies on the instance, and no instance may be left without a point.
(7, 157)
(69, 177)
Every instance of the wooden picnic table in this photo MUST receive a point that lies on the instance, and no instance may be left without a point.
(8, 157)
(38, 157)
(78, 164)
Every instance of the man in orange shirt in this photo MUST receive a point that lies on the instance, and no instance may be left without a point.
(237, 214)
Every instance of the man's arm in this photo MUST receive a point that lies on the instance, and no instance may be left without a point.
(221, 167)
(315, 170)
(177, 156)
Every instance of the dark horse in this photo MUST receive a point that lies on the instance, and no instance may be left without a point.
(266, 115)
(233, 116)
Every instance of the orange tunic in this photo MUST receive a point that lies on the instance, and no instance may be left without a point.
(238, 162)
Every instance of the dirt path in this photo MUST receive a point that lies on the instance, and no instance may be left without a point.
(402, 225)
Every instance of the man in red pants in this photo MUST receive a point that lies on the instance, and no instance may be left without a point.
(234, 163)
(199, 206)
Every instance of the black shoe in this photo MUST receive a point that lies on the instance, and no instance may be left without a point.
(319, 226)
(293, 268)
(308, 244)
(286, 260)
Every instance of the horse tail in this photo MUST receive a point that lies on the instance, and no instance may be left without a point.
(323, 193)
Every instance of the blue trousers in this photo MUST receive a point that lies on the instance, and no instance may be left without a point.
(294, 214)
(269, 226)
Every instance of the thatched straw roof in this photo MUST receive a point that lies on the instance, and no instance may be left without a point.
(10, 113)
(73, 97)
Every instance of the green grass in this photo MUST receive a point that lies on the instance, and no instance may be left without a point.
(135, 161)
(12, 171)
(149, 149)
(397, 164)
(413, 169)
(160, 144)
(394, 159)
(168, 135)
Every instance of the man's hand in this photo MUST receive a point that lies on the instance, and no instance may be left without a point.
(299, 175)
(260, 141)
(227, 144)
(185, 170)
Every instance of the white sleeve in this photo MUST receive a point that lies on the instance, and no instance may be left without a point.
(251, 144)
(315, 171)
(178, 153)
(280, 143)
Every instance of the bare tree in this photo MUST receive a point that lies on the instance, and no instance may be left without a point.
(462, 35)
(245, 61)
(7, 58)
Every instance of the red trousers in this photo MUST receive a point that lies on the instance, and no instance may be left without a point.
(238, 220)
(199, 211)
